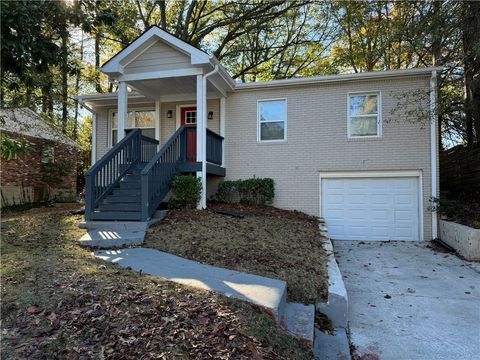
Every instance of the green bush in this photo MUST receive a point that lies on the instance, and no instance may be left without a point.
(255, 191)
(186, 190)
(227, 191)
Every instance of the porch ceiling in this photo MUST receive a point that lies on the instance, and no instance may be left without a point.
(96, 101)
(170, 89)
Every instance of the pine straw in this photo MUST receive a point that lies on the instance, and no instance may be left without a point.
(270, 242)
(58, 301)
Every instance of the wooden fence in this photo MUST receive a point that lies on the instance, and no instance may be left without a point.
(460, 170)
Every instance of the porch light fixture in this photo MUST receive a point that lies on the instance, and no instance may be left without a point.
(169, 114)
(210, 115)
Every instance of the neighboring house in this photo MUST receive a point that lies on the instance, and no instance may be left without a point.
(47, 171)
(356, 149)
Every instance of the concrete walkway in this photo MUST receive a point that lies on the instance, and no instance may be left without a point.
(409, 302)
(266, 292)
(271, 294)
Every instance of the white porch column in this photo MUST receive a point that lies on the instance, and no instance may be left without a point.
(94, 138)
(122, 112)
(158, 133)
(201, 137)
(222, 126)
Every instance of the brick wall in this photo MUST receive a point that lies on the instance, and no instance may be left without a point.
(27, 179)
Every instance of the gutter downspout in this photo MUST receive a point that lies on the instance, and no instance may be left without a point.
(434, 148)
(203, 199)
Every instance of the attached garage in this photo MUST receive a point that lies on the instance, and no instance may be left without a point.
(372, 206)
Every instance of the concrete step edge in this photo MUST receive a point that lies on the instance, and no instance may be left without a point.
(298, 320)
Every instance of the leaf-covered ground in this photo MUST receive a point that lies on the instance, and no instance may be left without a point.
(267, 241)
(59, 302)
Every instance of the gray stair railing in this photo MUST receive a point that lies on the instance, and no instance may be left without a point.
(157, 175)
(148, 148)
(107, 172)
(214, 148)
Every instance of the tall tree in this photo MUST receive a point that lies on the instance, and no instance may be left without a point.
(471, 49)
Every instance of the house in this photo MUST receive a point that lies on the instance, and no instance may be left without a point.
(47, 170)
(345, 147)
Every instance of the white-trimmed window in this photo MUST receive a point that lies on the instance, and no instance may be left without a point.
(272, 120)
(364, 115)
(136, 119)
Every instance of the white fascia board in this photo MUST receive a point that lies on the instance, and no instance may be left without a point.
(336, 78)
(223, 73)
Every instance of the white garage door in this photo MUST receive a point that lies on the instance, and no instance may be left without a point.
(371, 208)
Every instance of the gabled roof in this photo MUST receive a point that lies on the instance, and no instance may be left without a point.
(26, 122)
(145, 40)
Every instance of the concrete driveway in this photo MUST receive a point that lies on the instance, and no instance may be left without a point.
(409, 302)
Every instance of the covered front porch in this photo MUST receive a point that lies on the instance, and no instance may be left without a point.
(167, 117)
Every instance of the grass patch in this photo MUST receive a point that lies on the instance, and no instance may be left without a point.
(58, 301)
(266, 241)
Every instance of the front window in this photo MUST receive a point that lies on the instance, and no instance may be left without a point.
(272, 119)
(364, 115)
(136, 119)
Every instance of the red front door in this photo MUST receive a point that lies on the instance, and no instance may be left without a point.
(189, 117)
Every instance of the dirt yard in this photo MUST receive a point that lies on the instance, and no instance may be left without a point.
(267, 241)
(58, 301)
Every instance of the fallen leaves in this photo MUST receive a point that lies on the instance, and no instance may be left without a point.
(78, 308)
(33, 310)
(267, 241)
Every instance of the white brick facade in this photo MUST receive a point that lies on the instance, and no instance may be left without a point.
(317, 140)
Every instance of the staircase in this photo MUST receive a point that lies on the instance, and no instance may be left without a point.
(130, 181)
(123, 203)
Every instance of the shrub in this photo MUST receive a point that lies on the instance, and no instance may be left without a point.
(255, 191)
(227, 191)
(186, 190)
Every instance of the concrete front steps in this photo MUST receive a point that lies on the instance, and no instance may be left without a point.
(116, 234)
(270, 294)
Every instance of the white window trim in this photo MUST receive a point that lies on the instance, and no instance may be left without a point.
(259, 140)
(379, 114)
(110, 122)
(378, 174)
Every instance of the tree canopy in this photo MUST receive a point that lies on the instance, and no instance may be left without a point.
(52, 50)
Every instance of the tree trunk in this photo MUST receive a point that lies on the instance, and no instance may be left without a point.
(77, 90)
(163, 15)
(47, 96)
(437, 61)
(64, 70)
(98, 85)
(471, 49)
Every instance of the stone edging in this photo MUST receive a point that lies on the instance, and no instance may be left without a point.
(336, 307)
(336, 345)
